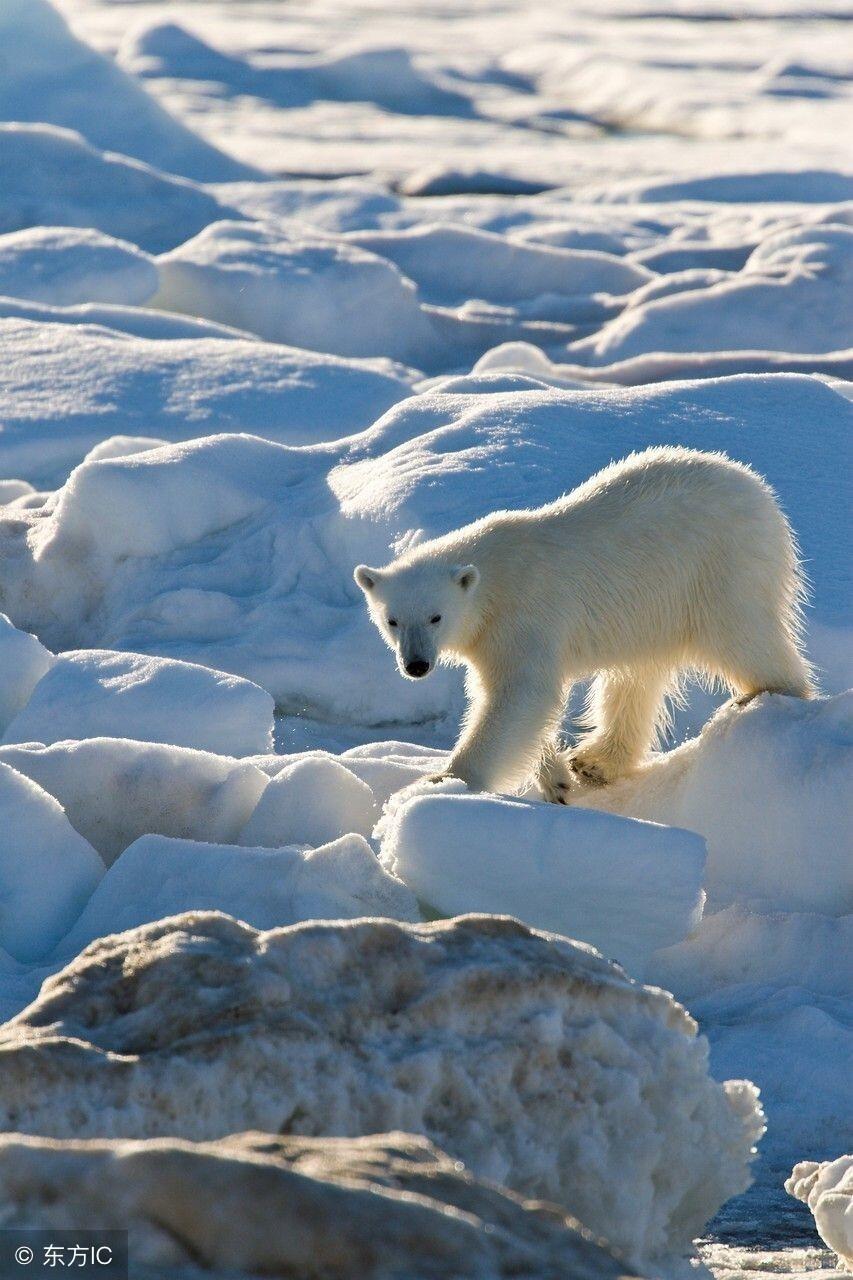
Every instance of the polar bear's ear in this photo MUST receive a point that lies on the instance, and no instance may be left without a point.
(366, 577)
(466, 576)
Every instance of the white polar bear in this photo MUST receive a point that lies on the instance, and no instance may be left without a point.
(670, 560)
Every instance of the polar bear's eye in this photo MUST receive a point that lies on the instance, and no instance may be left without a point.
(392, 622)
(436, 617)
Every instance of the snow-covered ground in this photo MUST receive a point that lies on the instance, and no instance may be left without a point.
(287, 288)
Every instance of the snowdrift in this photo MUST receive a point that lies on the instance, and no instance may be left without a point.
(50, 76)
(472, 1032)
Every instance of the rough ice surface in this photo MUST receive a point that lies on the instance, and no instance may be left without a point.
(827, 1189)
(47, 869)
(371, 1208)
(627, 887)
(96, 693)
(472, 1032)
(116, 789)
(157, 877)
(283, 289)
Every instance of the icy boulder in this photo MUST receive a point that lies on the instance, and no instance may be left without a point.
(66, 265)
(49, 75)
(308, 290)
(373, 1208)
(530, 1058)
(827, 1189)
(54, 177)
(311, 801)
(23, 662)
(767, 786)
(626, 887)
(158, 877)
(114, 789)
(95, 693)
(47, 870)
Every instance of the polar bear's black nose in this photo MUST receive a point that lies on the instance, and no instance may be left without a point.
(417, 667)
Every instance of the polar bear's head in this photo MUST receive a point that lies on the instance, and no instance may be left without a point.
(421, 609)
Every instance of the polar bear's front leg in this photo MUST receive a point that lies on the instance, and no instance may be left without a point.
(501, 743)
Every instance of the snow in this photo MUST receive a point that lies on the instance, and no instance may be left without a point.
(23, 662)
(71, 381)
(287, 288)
(56, 177)
(157, 877)
(65, 265)
(628, 888)
(46, 68)
(310, 802)
(100, 693)
(827, 1189)
(114, 790)
(47, 870)
(472, 1032)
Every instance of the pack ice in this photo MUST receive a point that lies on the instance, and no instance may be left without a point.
(284, 291)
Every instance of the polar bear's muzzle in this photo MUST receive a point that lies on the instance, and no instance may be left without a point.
(417, 667)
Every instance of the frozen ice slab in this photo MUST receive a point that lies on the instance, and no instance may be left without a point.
(47, 869)
(626, 887)
(157, 877)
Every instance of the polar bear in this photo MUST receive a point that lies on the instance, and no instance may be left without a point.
(668, 561)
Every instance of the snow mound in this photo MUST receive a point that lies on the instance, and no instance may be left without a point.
(532, 1059)
(311, 291)
(64, 389)
(158, 877)
(827, 1189)
(453, 263)
(807, 272)
(819, 186)
(47, 870)
(51, 76)
(373, 1208)
(67, 265)
(311, 802)
(23, 662)
(115, 790)
(94, 693)
(626, 887)
(389, 77)
(54, 177)
(766, 785)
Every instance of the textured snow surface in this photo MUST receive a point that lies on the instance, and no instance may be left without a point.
(372, 1208)
(471, 1031)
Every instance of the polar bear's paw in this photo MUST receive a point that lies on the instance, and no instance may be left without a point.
(596, 767)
